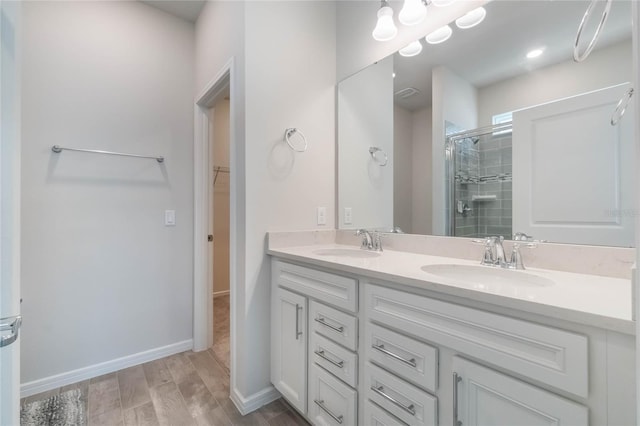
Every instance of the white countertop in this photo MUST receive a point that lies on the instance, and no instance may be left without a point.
(592, 300)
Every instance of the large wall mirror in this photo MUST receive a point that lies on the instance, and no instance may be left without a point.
(495, 131)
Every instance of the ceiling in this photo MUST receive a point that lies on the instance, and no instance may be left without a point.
(185, 9)
(495, 50)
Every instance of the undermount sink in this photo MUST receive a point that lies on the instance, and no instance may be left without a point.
(487, 277)
(347, 252)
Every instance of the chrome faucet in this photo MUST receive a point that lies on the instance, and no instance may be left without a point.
(494, 254)
(371, 240)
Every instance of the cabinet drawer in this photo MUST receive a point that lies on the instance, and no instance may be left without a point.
(339, 361)
(330, 288)
(405, 401)
(336, 325)
(376, 416)
(555, 357)
(415, 361)
(331, 402)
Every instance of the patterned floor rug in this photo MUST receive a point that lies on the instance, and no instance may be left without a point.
(65, 409)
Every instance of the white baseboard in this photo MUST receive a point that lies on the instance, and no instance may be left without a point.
(220, 293)
(255, 401)
(74, 376)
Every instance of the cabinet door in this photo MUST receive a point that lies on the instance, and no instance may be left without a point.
(289, 346)
(486, 397)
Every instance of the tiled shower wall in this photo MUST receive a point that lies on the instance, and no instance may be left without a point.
(486, 168)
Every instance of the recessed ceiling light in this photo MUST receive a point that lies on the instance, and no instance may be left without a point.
(472, 18)
(534, 53)
(411, 49)
(440, 35)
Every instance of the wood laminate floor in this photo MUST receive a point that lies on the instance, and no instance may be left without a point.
(190, 388)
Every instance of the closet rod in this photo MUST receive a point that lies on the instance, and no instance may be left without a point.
(58, 149)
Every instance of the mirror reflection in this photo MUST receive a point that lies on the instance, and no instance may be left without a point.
(496, 130)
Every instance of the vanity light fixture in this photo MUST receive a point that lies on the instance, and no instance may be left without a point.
(385, 28)
(534, 53)
(411, 49)
(440, 35)
(413, 12)
(472, 18)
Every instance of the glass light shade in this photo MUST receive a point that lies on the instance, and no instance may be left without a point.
(413, 12)
(385, 28)
(472, 18)
(534, 53)
(411, 49)
(440, 35)
(442, 3)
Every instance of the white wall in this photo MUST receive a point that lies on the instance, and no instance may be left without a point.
(422, 153)
(604, 68)
(454, 100)
(403, 169)
(365, 114)
(103, 277)
(289, 81)
(290, 53)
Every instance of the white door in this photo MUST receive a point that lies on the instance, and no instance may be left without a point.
(9, 214)
(573, 172)
(289, 346)
(486, 397)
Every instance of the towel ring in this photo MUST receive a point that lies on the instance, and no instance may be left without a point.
(621, 107)
(290, 132)
(576, 51)
(373, 150)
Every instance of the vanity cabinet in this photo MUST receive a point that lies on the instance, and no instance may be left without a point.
(369, 352)
(314, 335)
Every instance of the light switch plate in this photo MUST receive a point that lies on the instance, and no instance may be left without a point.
(170, 218)
(322, 215)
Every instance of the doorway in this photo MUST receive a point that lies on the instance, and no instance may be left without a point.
(219, 227)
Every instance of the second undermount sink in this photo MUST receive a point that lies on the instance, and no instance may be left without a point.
(347, 252)
(487, 277)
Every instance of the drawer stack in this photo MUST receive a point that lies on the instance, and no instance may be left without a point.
(333, 365)
(400, 380)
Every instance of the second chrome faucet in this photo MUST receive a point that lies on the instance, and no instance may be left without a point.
(494, 254)
(371, 240)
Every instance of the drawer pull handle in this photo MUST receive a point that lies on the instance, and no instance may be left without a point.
(321, 354)
(298, 309)
(326, 410)
(326, 324)
(380, 391)
(456, 379)
(381, 348)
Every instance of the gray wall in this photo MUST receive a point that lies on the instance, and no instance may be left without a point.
(102, 277)
(284, 55)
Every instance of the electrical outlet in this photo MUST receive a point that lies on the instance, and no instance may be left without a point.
(322, 215)
(348, 216)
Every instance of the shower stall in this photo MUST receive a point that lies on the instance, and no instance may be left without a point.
(479, 194)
